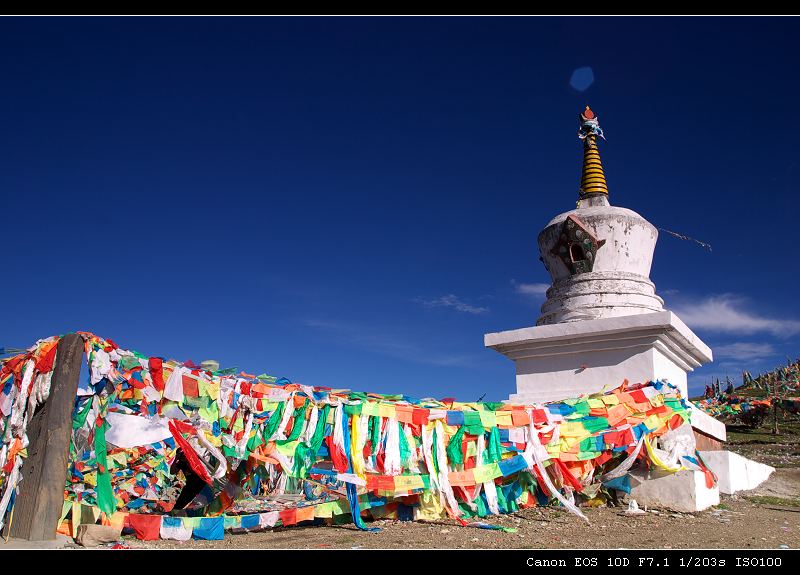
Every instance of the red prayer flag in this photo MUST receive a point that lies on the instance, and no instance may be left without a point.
(539, 416)
(45, 362)
(288, 516)
(146, 527)
(568, 476)
(190, 387)
(385, 483)
(176, 428)
(420, 416)
(157, 372)
(605, 456)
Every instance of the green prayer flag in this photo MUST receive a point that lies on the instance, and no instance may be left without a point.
(253, 443)
(454, 454)
(274, 421)
(304, 458)
(472, 422)
(405, 452)
(492, 406)
(319, 431)
(299, 416)
(353, 409)
(435, 452)
(375, 432)
(105, 495)
(494, 451)
(80, 418)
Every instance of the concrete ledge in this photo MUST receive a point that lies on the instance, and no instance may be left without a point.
(707, 424)
(547, 339)
(734, 472)
(554, 362)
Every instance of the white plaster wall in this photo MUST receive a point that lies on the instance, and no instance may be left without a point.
(618, 284)
(549, 359)
(629, 247)
(555, 377)
(596, 295)
(666, 369)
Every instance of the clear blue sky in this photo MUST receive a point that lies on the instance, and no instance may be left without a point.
(354, 202)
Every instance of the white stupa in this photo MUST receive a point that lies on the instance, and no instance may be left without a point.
(603, 322)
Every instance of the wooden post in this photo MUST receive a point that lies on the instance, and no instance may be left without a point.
(41, 491)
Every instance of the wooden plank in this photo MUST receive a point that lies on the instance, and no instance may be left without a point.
(41, 492)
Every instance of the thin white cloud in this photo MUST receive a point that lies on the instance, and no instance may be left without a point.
(728, 313)
(535, 289)
(453, 301)
(745, 351)
(369, 339)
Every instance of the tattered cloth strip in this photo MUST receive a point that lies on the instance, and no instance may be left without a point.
(333, 453)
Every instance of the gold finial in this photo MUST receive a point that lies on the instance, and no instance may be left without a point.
(593, 179)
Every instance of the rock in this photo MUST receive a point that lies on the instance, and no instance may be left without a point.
(94, 535)
(633, 508)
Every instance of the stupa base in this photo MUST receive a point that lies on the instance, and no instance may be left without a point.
(564, 360)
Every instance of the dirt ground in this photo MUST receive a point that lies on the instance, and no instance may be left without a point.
(738, 522)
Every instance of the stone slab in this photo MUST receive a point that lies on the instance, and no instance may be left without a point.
(683, 491)
(734, 472)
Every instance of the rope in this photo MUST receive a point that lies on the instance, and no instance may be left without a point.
(682, 237)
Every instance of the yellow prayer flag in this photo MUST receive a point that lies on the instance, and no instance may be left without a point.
(653, 422)
(430, 507)
(324, 509)
(488, 419)
(408, 482)
(610, 399)
(287, 449)
(472, 449)
(486, 473)
(118, 519)
(503, 418)
(386, 410)
(572, 430)
(370, 408)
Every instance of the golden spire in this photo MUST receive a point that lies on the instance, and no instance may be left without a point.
(593, 180)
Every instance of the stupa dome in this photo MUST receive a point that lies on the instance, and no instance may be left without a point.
(598, 255)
